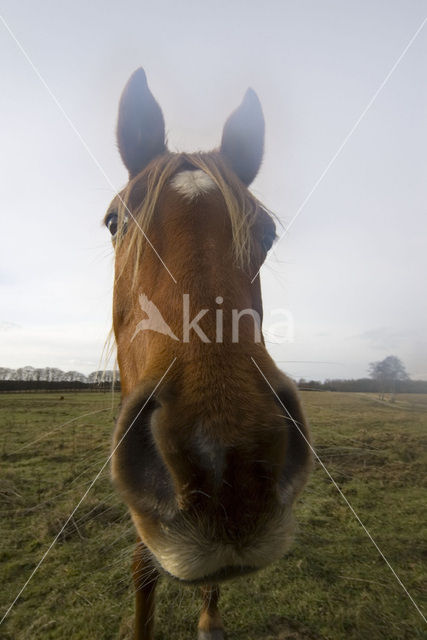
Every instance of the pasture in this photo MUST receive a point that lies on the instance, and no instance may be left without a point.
(332, 585)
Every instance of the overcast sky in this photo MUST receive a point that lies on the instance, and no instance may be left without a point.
(351, 273)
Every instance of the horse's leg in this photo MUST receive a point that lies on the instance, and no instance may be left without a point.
(210, 623)
(145, 577)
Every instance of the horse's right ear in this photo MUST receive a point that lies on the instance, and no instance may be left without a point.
(140, 126)
(243, 138)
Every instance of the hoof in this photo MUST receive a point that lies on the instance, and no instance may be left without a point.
(216, 634)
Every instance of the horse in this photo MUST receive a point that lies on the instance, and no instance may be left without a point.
(211, 446)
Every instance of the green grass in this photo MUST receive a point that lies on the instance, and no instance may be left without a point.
(333, 584)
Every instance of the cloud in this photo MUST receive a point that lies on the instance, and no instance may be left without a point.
(409, 345)
(78, 346)
(8, 326)
(384, 338)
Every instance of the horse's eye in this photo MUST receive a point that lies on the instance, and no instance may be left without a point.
(111, 222)
(268, 239)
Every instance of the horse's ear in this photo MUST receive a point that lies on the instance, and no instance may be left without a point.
(140, 126)
(243, 138)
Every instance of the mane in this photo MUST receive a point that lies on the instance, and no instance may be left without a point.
(140, 198)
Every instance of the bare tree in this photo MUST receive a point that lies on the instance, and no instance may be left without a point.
(388, 372)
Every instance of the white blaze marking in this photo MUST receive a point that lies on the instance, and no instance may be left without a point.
(192, 183)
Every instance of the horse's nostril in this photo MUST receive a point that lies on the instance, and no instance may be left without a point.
(138, 467)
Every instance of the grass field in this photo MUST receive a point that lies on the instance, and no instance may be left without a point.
(332, 585)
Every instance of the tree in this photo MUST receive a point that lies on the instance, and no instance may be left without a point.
(388, 372)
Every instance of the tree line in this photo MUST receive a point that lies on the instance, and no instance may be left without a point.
(366, 385)
(33, 379)
(386, 376)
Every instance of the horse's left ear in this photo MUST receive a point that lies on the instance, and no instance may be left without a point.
(140, 126)
(243, 138)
